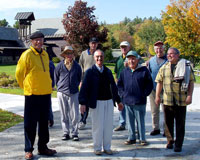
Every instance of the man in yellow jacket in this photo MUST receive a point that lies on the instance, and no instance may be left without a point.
(32, 74)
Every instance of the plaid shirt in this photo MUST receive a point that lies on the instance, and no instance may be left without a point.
(172, 94)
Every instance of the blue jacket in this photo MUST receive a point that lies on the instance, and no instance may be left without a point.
(89, 89)
(52, 69)
(134, 87)
(154, 68)
(66, 81)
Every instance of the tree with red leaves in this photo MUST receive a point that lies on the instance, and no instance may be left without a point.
(81, 25)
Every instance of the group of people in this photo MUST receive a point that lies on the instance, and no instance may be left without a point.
(166, 75)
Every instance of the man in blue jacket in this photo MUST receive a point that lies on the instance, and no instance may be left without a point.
(134, 85)
(67, 79)
(99, 92)
(154, 65)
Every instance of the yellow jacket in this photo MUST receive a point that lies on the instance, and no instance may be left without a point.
(32, 73)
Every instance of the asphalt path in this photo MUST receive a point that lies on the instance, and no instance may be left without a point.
(12, 139)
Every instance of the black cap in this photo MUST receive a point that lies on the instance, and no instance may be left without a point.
(37, 34)
(94, 39)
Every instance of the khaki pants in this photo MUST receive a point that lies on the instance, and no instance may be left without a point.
(155, 111)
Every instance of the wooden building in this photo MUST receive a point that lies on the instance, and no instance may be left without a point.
(11, 46)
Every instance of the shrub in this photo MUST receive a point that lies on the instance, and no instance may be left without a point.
(7, 81)
(3, 75)
(55, 60)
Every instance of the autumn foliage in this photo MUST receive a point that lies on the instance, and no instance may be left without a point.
(182, 26)
(80, 24)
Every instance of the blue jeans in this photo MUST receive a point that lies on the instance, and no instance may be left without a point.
(136, 112)
(122, 117)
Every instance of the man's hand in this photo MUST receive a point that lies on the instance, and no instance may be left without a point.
(157, 101)
(82, 109)
(188, 100)
(80, 84)
(120, 106)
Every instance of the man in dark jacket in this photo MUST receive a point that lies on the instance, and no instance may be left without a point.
(134, 85)
(67, 79)
(98, 92)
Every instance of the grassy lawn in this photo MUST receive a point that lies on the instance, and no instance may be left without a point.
(8, 69)
(197, 79)
(8, 119)
(19, 91)
(111, 66)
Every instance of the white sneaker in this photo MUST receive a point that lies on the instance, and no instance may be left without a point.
(81, 125)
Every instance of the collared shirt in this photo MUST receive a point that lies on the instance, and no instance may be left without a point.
(68, 64)
(172, 94)
(88, 51)
(99, 69)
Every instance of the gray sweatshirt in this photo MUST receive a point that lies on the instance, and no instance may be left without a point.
(86, 61)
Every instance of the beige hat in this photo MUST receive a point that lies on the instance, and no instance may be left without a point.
(66, 50)
(124, 43)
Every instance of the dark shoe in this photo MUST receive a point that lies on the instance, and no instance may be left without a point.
(75, 138)
(109, 152)
(28, 155)
(177, 149)
(155, 132)
(65, 137)
(120, 128)
(47, 152)
(129, 142)
(164, 134)
(51, 123)
(98, 152)
(143, 143)
(169, 146)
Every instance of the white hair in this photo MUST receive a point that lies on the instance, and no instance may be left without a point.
(98, 50)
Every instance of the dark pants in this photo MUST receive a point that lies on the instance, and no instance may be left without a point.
(36, 111)
(177, 113)
(50, 112)
(84, 116)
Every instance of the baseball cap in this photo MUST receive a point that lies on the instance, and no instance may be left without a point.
(94, 39)
(124, 43)
(158, 43)
(133, 53)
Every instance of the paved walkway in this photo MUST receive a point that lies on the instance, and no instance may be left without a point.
(12, 139)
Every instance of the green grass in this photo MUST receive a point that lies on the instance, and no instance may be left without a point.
(17, 91)
(8, 119)
(197, 79)
(8, 69)
(111, 66)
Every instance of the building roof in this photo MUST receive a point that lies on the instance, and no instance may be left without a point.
(25, 16)
(50, 27)
(8, 33)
